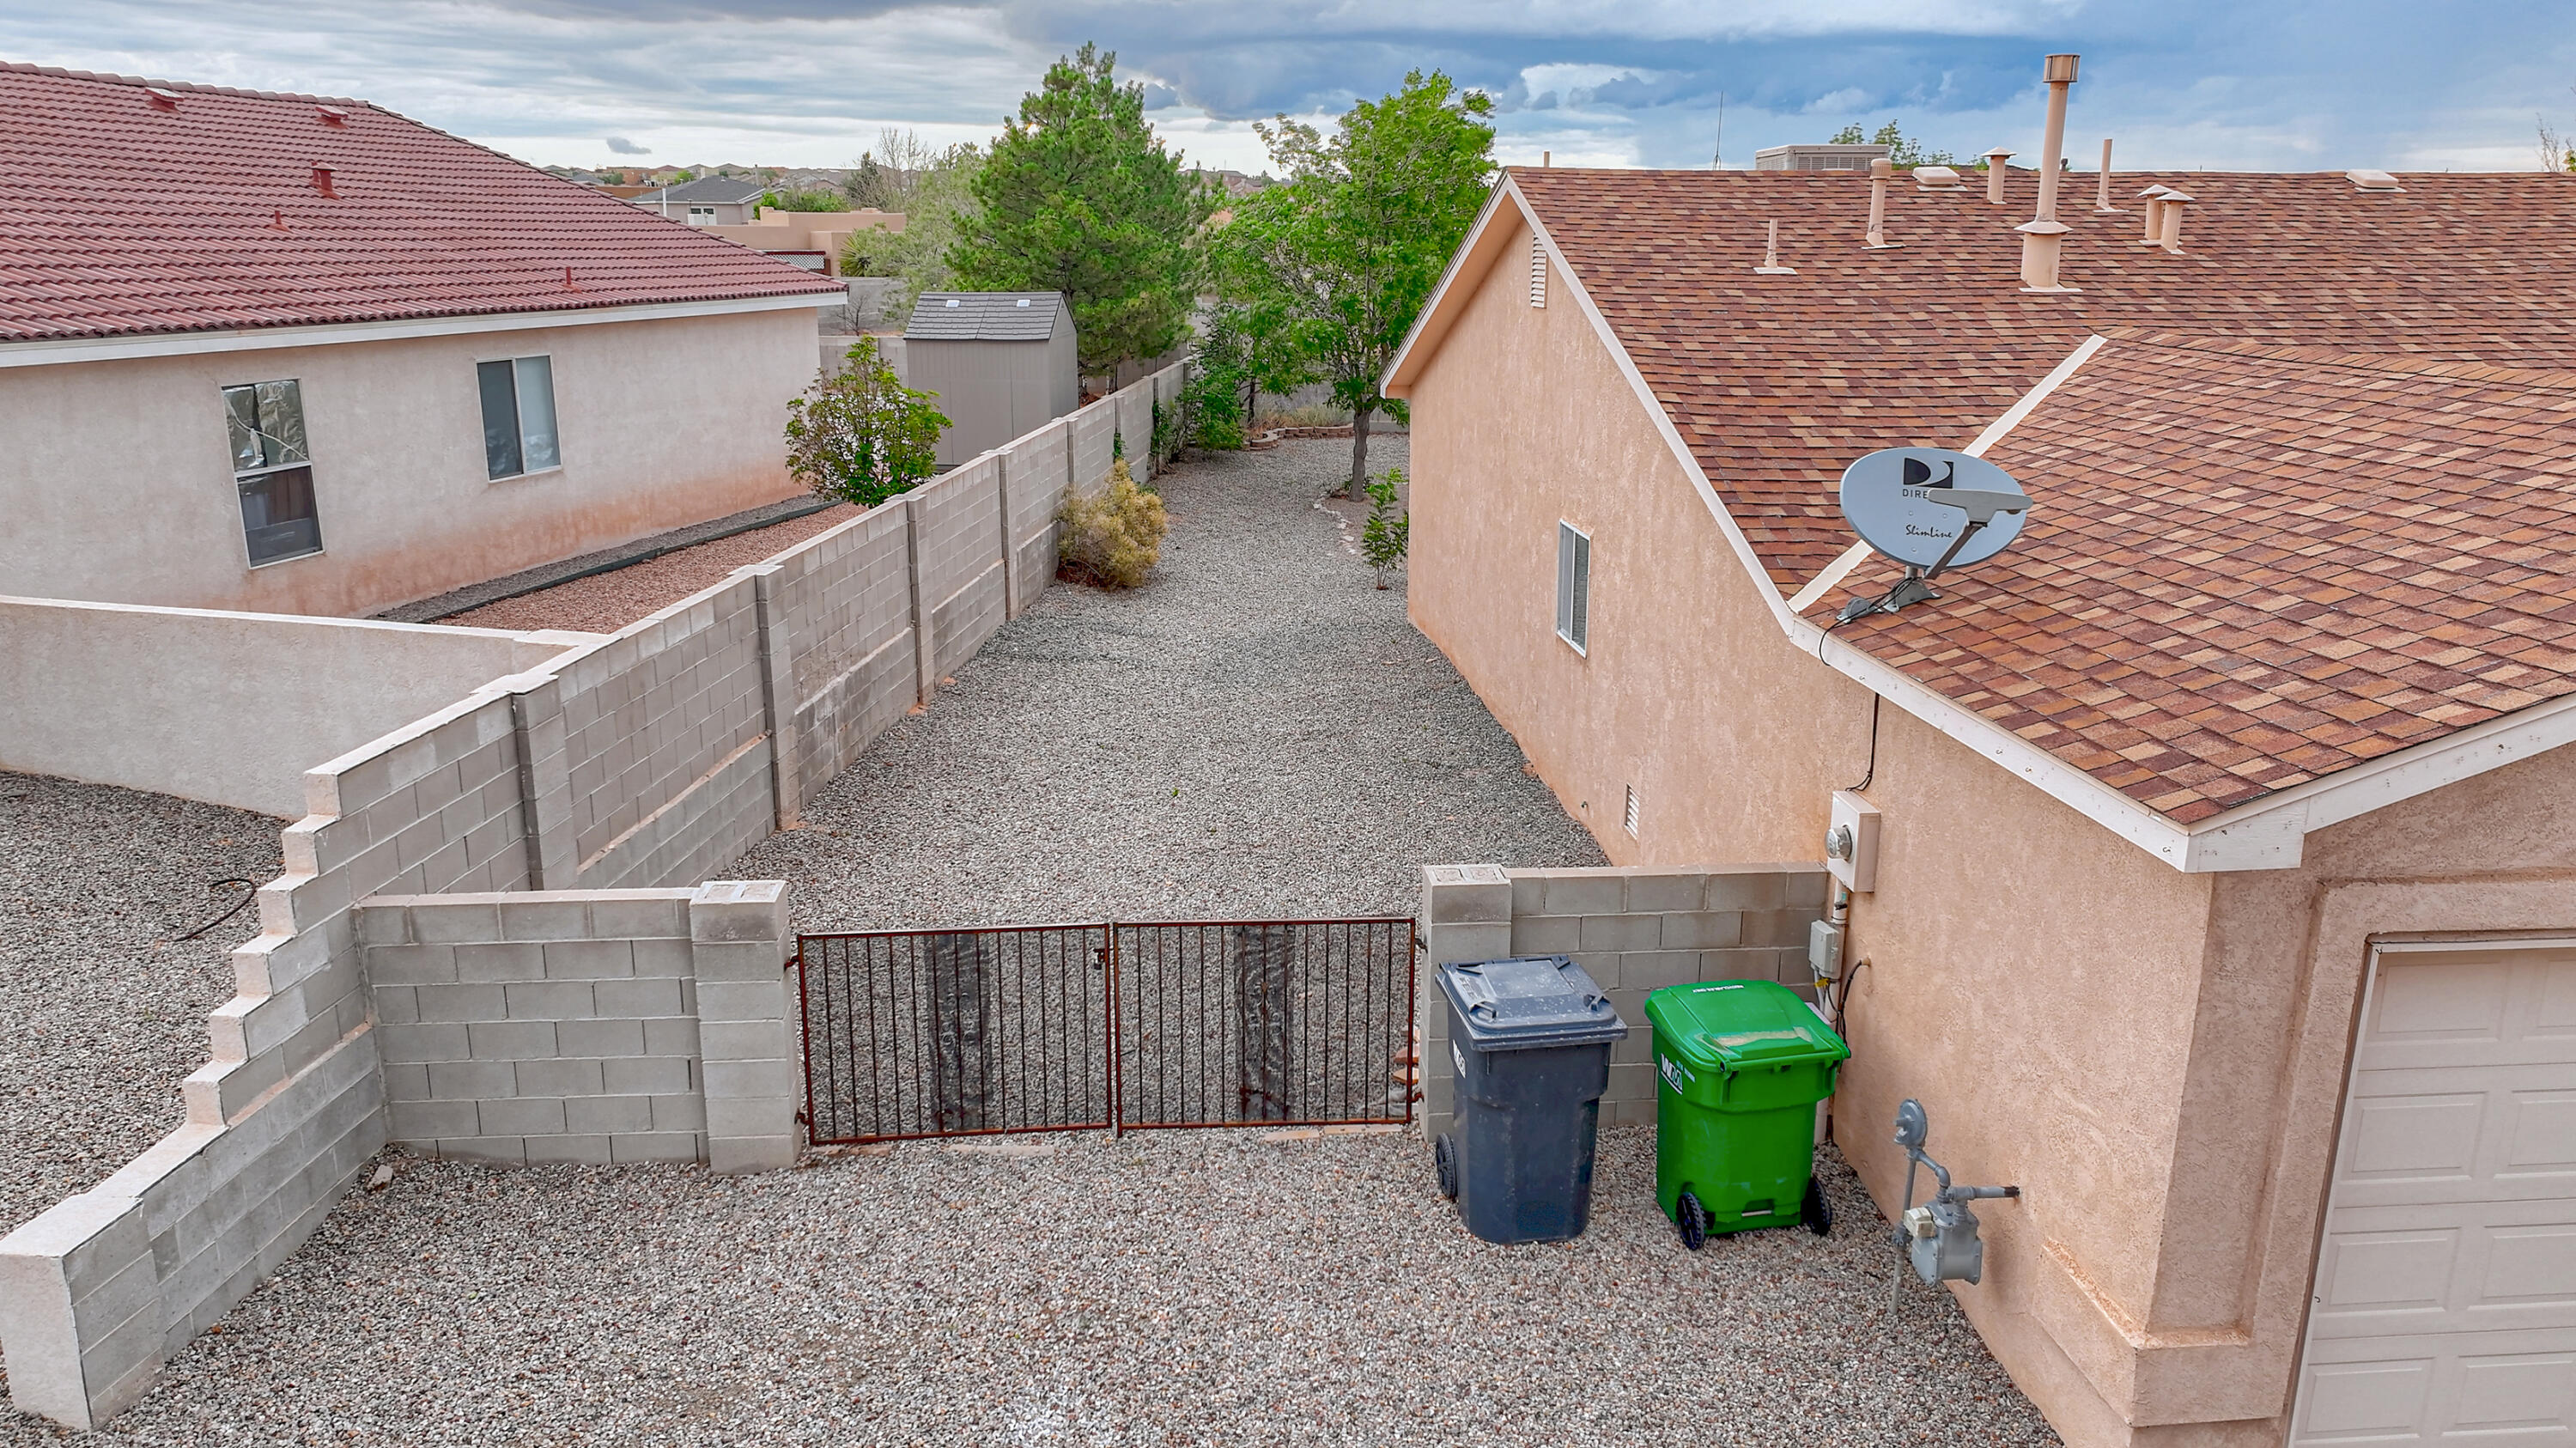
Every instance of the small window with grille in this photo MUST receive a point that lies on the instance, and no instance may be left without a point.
(272, 470)
(1538, 271)
(1574, 587)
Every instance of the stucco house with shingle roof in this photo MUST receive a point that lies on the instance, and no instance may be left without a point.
(2226, 877)
(302, 355)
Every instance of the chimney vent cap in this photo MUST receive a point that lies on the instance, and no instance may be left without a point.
(2171, 195)
(2373, 180)
(1937, 178)
(2044, 228)
(1997, 153)
(2159, 189)
(2061, 68)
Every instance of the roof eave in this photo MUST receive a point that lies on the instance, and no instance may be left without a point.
(1475, 256)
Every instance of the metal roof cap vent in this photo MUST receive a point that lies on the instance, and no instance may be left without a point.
(332, 115)
(1937, 178)
(322, 180)
(160, 99)
(1995, 160)
(2171, 208)
(2154, 196)
(2373, 181)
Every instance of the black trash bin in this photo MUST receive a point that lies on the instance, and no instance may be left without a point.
(1530, 1039)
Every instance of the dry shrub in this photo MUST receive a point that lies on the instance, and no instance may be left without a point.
(1113, 537)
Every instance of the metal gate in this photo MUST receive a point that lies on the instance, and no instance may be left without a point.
(915, 1033)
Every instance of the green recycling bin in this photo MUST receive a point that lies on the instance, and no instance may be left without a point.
(1742, 1065)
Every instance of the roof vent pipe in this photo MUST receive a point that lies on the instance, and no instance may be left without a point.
(2102, 197)
(322, 181)
(1881, 171)
(1995, 160)
(2170, 236)
(1771, 257)
(2043, 237)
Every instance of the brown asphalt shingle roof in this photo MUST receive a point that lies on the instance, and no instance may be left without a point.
(2311, 504)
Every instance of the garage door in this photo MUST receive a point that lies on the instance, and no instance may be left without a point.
(2445, 1306)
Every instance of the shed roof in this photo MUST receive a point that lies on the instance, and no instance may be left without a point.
(986, 317)
(133, 207)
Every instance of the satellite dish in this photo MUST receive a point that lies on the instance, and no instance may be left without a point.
(1930, 509)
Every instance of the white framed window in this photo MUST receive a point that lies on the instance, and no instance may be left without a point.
(702, 216)
(272, 470)
(1574, 587)
(518, 416)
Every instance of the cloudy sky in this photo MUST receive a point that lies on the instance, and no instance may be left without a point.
(2279, 84)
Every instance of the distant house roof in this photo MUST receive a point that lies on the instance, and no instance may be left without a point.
(135, 207)
(986, 317)
(707, 191)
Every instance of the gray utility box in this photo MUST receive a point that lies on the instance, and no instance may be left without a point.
(1530, 1039)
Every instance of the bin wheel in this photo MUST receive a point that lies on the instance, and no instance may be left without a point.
(1692, 1219)
(1815, 1211)
(1444, 1165)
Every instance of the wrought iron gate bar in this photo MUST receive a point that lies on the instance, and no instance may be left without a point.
(976, 1030)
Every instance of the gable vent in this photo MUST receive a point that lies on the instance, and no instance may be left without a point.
(1538, 271)
(1628, 815)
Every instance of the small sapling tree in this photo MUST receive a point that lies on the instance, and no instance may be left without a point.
(1383, 541)
(860, 435)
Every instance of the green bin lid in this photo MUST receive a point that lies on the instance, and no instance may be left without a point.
(1730, 1025)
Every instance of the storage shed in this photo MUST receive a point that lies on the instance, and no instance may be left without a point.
(1002, 363)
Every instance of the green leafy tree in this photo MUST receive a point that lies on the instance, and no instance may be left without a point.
(860, 435)
(1079, 196)
(1902, 150)
(1384, 538)
(933, 189)
(1332, 267)
(811, 200)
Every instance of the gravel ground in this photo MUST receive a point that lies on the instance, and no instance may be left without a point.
(607, 602)
(1258, 730)
(1171, 1288)
(101, 1011)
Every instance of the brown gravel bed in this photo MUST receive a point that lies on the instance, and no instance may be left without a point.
(607, 602)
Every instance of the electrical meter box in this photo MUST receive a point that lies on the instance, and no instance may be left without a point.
(1851, 843)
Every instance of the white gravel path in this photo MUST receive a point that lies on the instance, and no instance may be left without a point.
(1258, 730)
(1173, 1288)
(101, 1012)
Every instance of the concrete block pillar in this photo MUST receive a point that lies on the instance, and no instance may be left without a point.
(80, 1310)
(740, 939)
(925, 658)
(1466, 916)
(545, 780)
(778, 690)
(1007, 467)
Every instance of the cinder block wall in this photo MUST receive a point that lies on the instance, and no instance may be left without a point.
(586, 1026)
(1636, 929)
(646, 759)
(1135, 403)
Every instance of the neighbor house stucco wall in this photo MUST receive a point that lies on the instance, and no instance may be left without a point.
(2156, 1058)
(119, 488)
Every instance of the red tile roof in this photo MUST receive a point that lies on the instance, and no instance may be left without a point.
(2315, 502)
(131, 206)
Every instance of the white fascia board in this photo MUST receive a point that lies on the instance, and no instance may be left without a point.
(261, 339)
